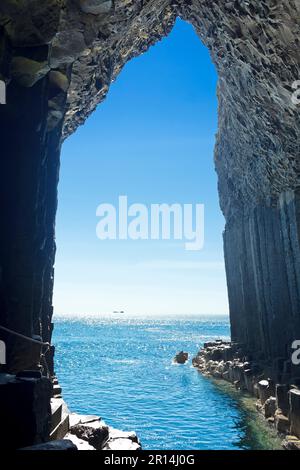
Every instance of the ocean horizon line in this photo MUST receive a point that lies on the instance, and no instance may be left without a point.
(152, 316)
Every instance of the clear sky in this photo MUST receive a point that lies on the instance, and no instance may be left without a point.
(152, 139)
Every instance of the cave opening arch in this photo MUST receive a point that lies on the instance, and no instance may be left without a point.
(152, 139)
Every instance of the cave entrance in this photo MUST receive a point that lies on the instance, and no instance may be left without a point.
(152, 140)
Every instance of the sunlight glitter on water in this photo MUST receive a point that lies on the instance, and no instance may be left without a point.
(122, 370)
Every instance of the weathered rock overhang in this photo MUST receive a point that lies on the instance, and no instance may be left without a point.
(58, 59)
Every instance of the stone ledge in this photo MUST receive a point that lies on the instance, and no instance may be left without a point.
(89, 432)
(279, 403)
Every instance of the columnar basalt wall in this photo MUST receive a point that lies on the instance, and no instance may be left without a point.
(58, 59)
(263, 273)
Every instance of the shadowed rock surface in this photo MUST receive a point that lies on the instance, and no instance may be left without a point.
(91, 433)
(55, 445)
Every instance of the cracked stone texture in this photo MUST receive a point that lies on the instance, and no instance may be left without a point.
(256, 49)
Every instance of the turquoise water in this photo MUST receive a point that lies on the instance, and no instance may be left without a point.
(122, 370)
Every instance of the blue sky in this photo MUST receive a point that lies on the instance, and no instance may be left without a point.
(152, 139)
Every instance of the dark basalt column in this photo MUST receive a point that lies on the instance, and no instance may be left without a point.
(262, 254)
(29, 176)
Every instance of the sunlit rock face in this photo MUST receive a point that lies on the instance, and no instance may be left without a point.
(63, 55)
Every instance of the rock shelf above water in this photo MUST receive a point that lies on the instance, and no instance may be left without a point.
(278, 402)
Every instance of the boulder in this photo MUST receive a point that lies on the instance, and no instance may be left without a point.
(94, 432)
(181, 357)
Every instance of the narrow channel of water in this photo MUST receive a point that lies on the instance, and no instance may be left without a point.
(122, 370)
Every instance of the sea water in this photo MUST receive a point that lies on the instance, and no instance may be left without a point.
(122, 370)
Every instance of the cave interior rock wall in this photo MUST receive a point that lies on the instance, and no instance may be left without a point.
(58, 59)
